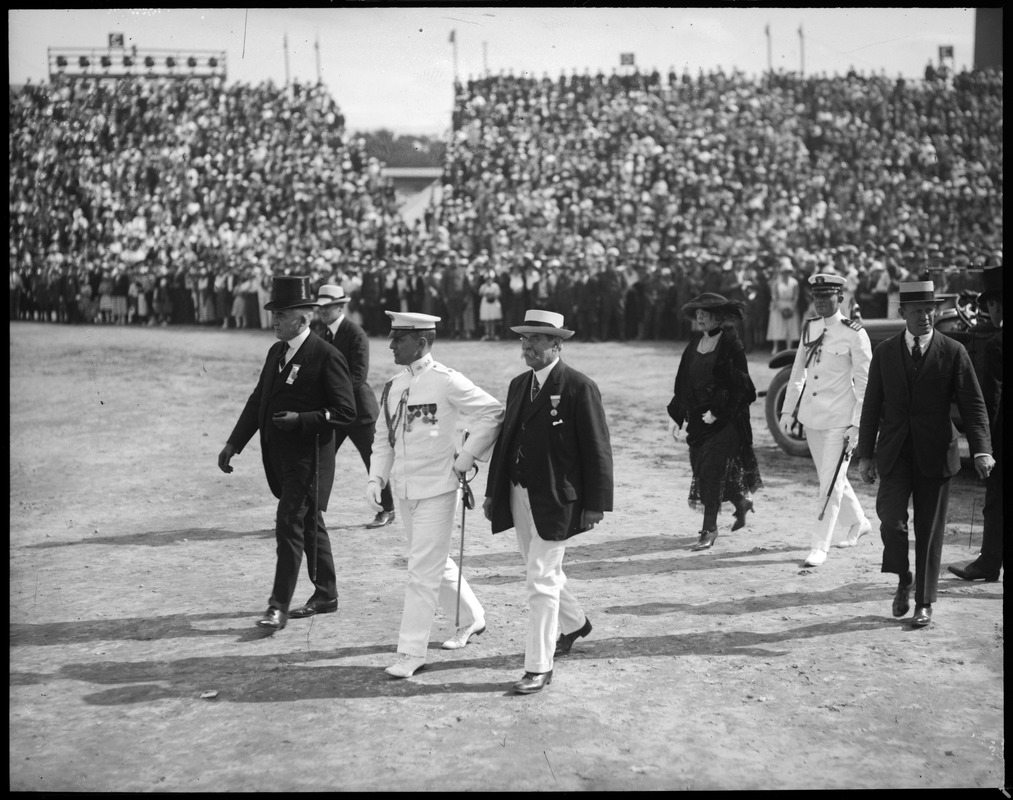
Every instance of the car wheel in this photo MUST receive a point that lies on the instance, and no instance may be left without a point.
(792, 445)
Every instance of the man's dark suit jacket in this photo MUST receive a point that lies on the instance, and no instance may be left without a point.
(351, 341)
(322, 384)
(571, 467)
(896, 407)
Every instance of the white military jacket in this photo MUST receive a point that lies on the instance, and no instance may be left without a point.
(416, 438)
(832, 386)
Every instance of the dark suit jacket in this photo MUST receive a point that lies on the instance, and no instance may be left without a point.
(351, 341)
(322, 384)
(571, 470)
(896, 407)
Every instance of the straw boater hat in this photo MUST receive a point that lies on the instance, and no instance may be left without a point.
(289, 291)
(918, 292)
(329, 294)
(548, 322)
(715, 303)
(402, 322)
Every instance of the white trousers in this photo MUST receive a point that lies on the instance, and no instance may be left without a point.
(432, 573)
(551, 607)
(825, 446)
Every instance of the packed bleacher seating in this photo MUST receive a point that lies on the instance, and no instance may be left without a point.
(612, 199)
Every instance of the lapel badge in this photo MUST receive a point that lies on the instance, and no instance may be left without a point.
(554, 399)
(293, 374)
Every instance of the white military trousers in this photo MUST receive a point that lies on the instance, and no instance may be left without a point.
(432, 573)
(826, 446)
(551, 606)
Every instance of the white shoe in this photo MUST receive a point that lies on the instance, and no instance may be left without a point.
(405, 666)
(461, 637)
(856, 532)
(815, 558)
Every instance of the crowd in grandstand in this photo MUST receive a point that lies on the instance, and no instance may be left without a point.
(612, 199)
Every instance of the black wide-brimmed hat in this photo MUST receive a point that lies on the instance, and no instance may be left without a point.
(715, 303)
(290, 291)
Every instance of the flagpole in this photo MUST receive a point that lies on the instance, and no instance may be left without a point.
(285, 45)
(801, 42)
(316, 46)
(485, 57)
(770, 60)
(453, 41)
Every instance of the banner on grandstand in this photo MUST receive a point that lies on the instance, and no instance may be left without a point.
(945, 51)
(626, 59)
(115, 40)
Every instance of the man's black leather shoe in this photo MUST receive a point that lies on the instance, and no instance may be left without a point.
(902, 597)
(533, 682)
(566, 640)
(922, 617)
(972, 572)
(381, 519)
(274, 618)
(315, 607)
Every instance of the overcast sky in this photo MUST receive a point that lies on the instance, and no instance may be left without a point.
(393, 67)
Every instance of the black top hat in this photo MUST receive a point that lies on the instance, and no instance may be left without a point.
(290, 291)
(991, 279)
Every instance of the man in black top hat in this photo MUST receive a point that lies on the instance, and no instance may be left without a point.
(988, 564)
(304, 390)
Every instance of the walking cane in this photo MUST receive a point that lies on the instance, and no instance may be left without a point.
(845, 455)
(467, 501)
(311, 535)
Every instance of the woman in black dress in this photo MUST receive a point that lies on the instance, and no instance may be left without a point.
(712, 395)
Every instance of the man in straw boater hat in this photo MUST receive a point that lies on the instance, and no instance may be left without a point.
(550, 478)
(908, 440)
(990, 562)
(351, 341)
(825, 394)
(304, 391)
(416, 452)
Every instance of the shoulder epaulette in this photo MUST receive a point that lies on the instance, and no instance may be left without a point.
(854, 324)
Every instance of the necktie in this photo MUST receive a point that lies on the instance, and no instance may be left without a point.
(534, 385)
(916, 351)
(284, 353)
(329, 336)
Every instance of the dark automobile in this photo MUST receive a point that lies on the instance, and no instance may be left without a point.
(958, 317)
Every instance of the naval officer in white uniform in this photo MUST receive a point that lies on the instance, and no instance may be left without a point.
(825, 394)
(418, 452)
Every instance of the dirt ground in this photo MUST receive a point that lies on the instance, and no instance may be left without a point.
(138, 569)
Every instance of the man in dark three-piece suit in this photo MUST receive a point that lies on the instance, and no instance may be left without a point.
(907, 438)
(351, 341)
(550, 478)
(304, 390)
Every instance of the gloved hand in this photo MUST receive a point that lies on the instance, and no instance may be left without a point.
(286, 420)
(225, 457)
(984, 464)
(851, 434)
(463, 463)
(373, 494)
(709, 418)
(785, 423)
(675, 432)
